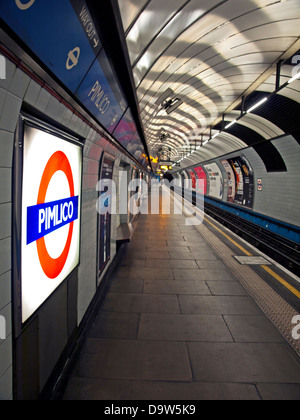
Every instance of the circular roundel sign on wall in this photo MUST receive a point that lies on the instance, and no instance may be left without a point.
(63, 212)
(51, 187)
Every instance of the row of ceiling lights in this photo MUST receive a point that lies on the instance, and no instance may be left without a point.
(254, 107)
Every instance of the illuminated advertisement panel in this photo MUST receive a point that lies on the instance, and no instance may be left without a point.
(215, 179)
(230, 181)
(240, 181)
(193, 178)
(201, 175)
(105, 213)
(50, 215)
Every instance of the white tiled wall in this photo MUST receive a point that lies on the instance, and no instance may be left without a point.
(87, 269)
(18, 88)
(280, 195)
(12, 91)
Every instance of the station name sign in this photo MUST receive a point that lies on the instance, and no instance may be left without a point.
(50, 214)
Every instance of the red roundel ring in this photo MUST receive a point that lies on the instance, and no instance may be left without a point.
(58, 162)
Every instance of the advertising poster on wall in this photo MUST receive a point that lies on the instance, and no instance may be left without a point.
(240, 181)
(231, 181)
(193, 179)
(201, 176)
(105, 213)
(215, 180)
(51, 197)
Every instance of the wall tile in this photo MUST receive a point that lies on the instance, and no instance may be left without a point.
(5, 255)
(10, 113)
(6, 149)
(19, 83)
(5, 185)
(5, 220)
(5, 289)
(32, 93)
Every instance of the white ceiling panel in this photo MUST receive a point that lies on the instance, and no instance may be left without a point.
(130, 10)
(209, 53)
(150, 22)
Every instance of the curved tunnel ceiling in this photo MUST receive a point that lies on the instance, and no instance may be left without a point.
(193, 62)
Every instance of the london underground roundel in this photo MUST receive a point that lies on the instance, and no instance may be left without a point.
(50, 215)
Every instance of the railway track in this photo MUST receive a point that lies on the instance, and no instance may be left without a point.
(282, 250)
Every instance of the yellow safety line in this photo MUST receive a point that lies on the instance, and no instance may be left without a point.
(269, 270)
(282, 281)
(230, 239)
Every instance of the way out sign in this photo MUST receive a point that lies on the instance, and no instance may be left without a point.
(51, 188)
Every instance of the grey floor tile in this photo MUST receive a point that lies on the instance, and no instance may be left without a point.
(125, 285)
(135, 360)
(177, 244)
(140, 303)
(226, 288)
(195, 240)
(172, 263)
(125, 390)
(176, 287)
(157, 255)
(168, 237)
(149, 255)
(253, 329)
(156, 243)
(279, 392)
(145, 273)
(192, 237)
(195, 248)
(158, 273)
(243, 362)
(217, 305)
(187, 255)
(205, 274)
(136, 248)
(115, 325)
(168, 248)
(217, 265)
(133, 262)
(176, 325)
(183, 328)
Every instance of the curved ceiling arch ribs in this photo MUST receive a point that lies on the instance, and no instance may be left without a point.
(207, 56)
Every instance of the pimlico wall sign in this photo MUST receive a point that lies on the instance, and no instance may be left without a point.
(50, 214)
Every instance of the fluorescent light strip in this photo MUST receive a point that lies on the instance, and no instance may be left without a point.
(257, 105)
(294, 78)
(229, 125)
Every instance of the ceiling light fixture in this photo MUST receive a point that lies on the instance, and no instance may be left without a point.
(297, 76)
(215, 135)
(230, 124)
(257, 105)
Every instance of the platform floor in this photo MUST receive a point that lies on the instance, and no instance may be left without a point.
(178, 325)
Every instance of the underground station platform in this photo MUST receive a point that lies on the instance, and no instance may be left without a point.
(192, 313)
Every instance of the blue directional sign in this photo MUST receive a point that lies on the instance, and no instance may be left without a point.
(101, 95)
(62, 34)
(63, 37)
(126, 132)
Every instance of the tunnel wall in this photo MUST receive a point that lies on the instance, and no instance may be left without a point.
(278, 196)
(55, 323)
